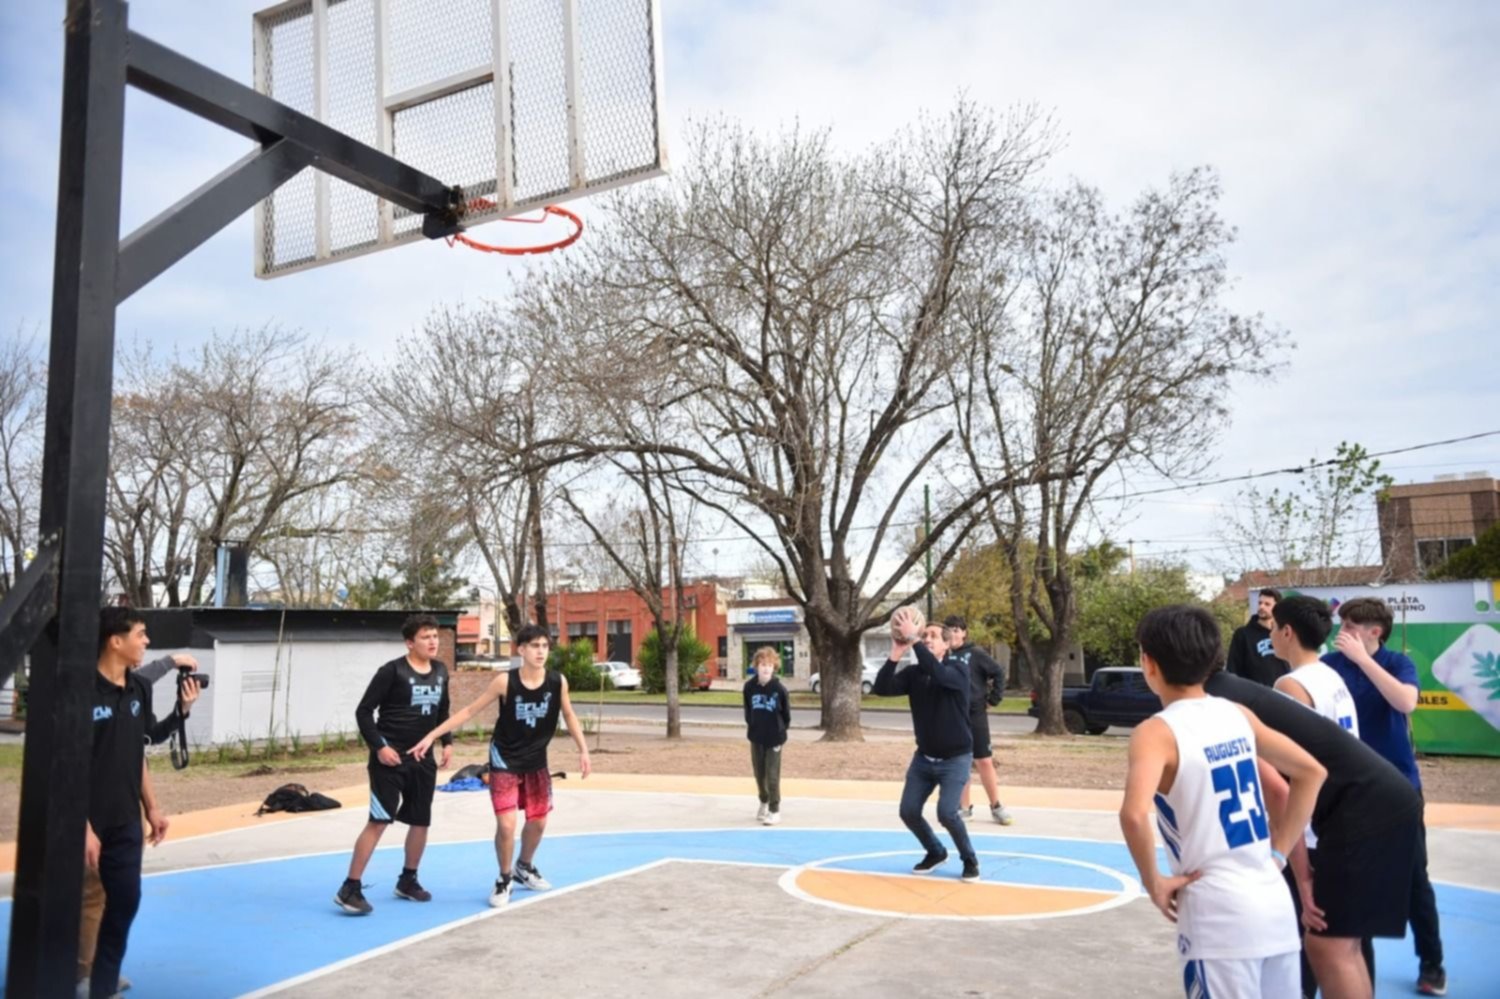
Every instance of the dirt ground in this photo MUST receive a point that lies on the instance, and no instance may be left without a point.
(1027, 761)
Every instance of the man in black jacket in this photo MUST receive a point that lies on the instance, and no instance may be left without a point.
(1250, 654)
(938, 690)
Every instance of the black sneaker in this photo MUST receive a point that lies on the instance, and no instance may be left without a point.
(971, 871)
(412, 890)
(531, 878)
(352, 899)
(928, 862)
(1432, 980)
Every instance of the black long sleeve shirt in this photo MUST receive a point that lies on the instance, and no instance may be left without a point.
(986, 678)
(768, 712)
(410, 705)
(938, 693)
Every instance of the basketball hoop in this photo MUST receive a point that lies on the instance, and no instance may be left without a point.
(480, 205)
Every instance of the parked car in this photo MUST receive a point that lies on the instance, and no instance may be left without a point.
(702, 680)
(1117, 695)
(623, 675)
(866, 679)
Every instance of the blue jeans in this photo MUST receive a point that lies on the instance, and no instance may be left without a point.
(949, 777)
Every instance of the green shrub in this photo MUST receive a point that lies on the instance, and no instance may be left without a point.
(575, 660)
(691, 654)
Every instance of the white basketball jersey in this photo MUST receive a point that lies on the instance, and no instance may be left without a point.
(1214, 822)
(1331, 699)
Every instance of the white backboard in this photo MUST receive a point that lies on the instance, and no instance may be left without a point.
(522, 103)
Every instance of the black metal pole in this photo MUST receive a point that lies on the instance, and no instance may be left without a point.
(54, 781)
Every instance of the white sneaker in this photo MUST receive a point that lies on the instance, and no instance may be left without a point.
(764, 810)
(772, 818)
(500, 897)
(1000, 815)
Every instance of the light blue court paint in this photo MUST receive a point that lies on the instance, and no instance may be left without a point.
(230, 930)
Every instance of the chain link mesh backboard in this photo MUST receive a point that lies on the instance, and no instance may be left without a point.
(520, 102)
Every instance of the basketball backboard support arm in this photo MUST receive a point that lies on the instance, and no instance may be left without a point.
(53, 610)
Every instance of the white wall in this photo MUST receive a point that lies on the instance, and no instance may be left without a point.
(317, 687)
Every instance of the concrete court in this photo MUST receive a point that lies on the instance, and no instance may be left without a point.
(666, 887)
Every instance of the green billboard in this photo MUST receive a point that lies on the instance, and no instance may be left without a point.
(1452, 632)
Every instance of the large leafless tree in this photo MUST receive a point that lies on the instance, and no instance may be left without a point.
(1103, 346)
(801, 303)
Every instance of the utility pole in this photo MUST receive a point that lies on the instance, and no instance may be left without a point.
(927, 540)
(1132, 556)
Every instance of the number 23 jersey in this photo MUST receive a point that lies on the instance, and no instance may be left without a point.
(1214, 822)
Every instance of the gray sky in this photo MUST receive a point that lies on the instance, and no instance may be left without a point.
(1356, 142)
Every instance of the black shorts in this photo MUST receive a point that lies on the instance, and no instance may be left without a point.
(980, 726)
(403, 793)
(1364, 886)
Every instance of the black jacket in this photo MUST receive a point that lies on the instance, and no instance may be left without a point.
(1250, 655)
(939, 696)
(768, 712)
(986, 678)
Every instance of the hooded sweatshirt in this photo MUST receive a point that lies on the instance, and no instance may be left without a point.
(1250, 655)
(768, 712)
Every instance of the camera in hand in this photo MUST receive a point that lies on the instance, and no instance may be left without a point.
(184, 672)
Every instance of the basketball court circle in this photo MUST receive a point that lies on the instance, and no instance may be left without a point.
(665, 892)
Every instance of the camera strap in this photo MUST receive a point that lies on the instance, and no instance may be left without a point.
(178, 740)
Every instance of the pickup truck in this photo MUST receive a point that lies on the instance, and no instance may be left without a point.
(1118, 695)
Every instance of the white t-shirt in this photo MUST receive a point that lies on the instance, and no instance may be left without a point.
(1214, 821)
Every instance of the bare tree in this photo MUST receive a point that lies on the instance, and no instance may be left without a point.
(236, 442)
(280, 424)
(649, 552)
(22, 408)
(464, 398)
(1307, 533)
(1102, 346)
(155, 435)
(801, 304)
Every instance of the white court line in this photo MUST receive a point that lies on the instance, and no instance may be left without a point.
(395, 945)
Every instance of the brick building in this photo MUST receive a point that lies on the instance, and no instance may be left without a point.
(617, 621)
(1423, 523)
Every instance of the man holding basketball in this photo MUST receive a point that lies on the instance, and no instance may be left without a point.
(937, 688)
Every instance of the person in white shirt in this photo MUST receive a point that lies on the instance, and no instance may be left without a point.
(1195, 763)
(1302, 625)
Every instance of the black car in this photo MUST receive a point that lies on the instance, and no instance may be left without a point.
(1117, 695)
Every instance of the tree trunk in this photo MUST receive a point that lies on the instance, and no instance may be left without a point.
(835, 658)
(1049, 683)
(669, 672)
(539, 554)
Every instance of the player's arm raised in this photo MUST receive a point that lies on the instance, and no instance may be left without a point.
(493, 692)
(576, 731)
(1152, 750)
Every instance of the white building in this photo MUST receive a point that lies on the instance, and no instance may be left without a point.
(274, 672)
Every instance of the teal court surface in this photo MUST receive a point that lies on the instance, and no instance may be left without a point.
(679, 893)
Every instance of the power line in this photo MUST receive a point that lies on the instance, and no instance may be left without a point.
(1298, 469)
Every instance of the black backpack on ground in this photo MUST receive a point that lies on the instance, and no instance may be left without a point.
(296, 798)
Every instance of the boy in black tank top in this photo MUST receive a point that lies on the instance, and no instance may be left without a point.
(531, 699)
